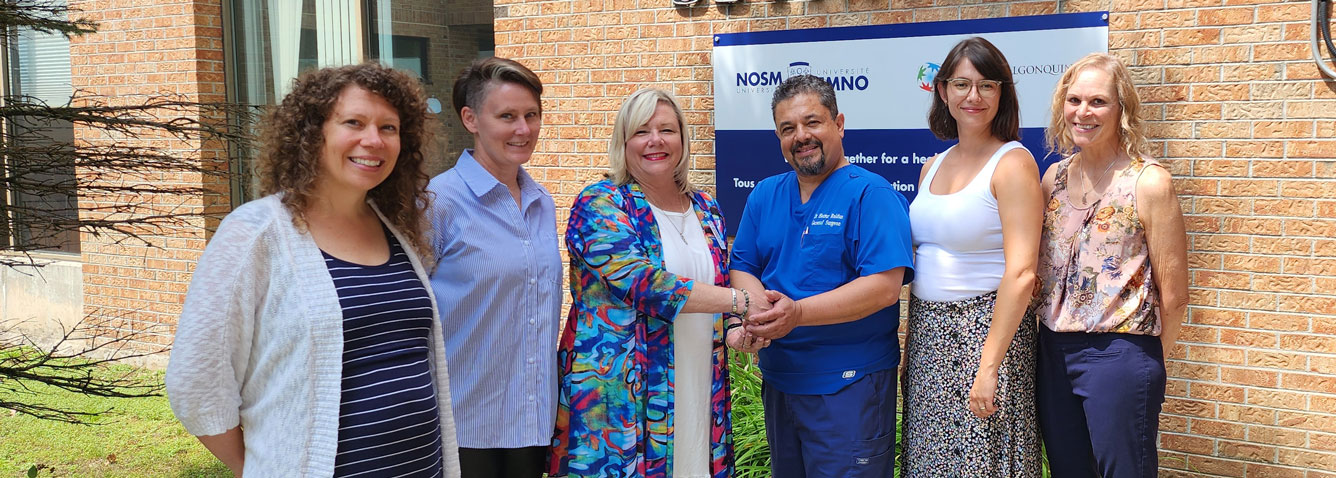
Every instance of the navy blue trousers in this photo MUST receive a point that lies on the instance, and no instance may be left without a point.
(846, 434)
(1099, 403)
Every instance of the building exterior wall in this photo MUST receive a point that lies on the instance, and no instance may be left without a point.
(149, 47)
(41, 301)
(1236, 109)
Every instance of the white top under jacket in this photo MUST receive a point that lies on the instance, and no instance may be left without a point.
(260, 344)
(686, 253)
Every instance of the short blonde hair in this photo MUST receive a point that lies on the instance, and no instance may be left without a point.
(1131, 130)
(636, 111)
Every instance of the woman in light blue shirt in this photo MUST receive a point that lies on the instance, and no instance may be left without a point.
(498, 275)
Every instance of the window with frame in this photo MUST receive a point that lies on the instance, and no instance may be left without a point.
(273, 41)
(40, 201)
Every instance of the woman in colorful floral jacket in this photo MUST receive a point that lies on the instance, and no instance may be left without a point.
(644, 382)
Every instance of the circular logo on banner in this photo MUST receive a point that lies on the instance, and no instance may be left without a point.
(799, 68)
(926, 74)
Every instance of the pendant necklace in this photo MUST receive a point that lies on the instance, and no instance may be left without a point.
(1095, 184)
(673, 222)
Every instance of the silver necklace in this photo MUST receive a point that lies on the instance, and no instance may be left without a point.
(673, 223)
(1091, 188)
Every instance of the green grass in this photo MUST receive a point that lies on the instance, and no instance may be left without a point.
(137, 437)
(750, 451)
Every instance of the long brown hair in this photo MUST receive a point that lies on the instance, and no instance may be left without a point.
(292, 136)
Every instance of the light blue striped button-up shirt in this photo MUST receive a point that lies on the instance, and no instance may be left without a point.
(498, 286)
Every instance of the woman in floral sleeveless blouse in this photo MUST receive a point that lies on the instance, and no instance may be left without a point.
(1113, 279)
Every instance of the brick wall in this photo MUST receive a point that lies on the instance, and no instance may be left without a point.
(1237, 111)
(147, 47)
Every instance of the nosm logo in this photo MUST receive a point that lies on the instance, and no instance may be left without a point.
(926, 74)
(799, 68)
(840, 78)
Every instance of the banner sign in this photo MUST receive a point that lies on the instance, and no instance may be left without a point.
(883, 76)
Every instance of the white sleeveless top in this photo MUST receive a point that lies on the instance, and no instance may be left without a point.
(685, 253)
(958, 236)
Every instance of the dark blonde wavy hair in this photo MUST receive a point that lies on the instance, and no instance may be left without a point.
(1131, 129)
(292, 136)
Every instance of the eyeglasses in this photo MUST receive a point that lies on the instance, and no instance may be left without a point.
(961, 86)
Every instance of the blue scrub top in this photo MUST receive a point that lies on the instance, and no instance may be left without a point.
(853, 225)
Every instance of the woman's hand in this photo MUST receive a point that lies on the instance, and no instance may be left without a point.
(759, 303)
(739, 339)
(981, 401)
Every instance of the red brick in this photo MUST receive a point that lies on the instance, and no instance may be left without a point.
(1186, 443)
(1257, 470)
(1194, 408)
(1225, 16)
(1247, 451)
(1322, 441)
(1251, 377)
(1276, 398)
(1248, 414)
(1323, 267)
(1282, 207)
(1280, 52)
(1282, 129)
(1248, 300)
(1220, 92)
(1323, 149)
(1166, 19)
(1271, 321)
(1322, 364)
(1309, 459)
(1282, 12)
(1255, 149)
(1216, 466)
(1221, 54)
(1308, 343)
(1217, 393)
(1224, 129)
(1282, 283)
(1257, 226)
(1308, 304)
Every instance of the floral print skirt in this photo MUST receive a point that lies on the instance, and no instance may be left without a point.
(941, 436)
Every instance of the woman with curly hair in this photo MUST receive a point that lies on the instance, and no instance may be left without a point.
(308, 344)
(1113, 279)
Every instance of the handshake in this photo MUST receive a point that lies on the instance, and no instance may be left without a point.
(766, 315)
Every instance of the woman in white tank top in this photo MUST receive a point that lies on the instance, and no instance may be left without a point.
(970, 363)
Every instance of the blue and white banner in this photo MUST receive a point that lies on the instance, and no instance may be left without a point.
(882, 76)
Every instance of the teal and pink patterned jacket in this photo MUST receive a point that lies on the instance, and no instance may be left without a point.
(615, 403)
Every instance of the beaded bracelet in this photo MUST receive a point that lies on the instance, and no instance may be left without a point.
(735, 301)
(746, 298)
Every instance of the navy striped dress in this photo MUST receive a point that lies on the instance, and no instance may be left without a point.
(388, 418)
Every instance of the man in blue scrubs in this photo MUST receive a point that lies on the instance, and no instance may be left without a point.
(829, 244)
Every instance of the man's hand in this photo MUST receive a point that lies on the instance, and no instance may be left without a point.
(783, 316)
(740, 340)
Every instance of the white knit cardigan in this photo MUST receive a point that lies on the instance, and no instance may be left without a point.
(260, 344)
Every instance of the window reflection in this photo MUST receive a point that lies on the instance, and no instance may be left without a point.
(274, 40)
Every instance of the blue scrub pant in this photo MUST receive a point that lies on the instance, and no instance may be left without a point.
(846, 434)
(1099, 403)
